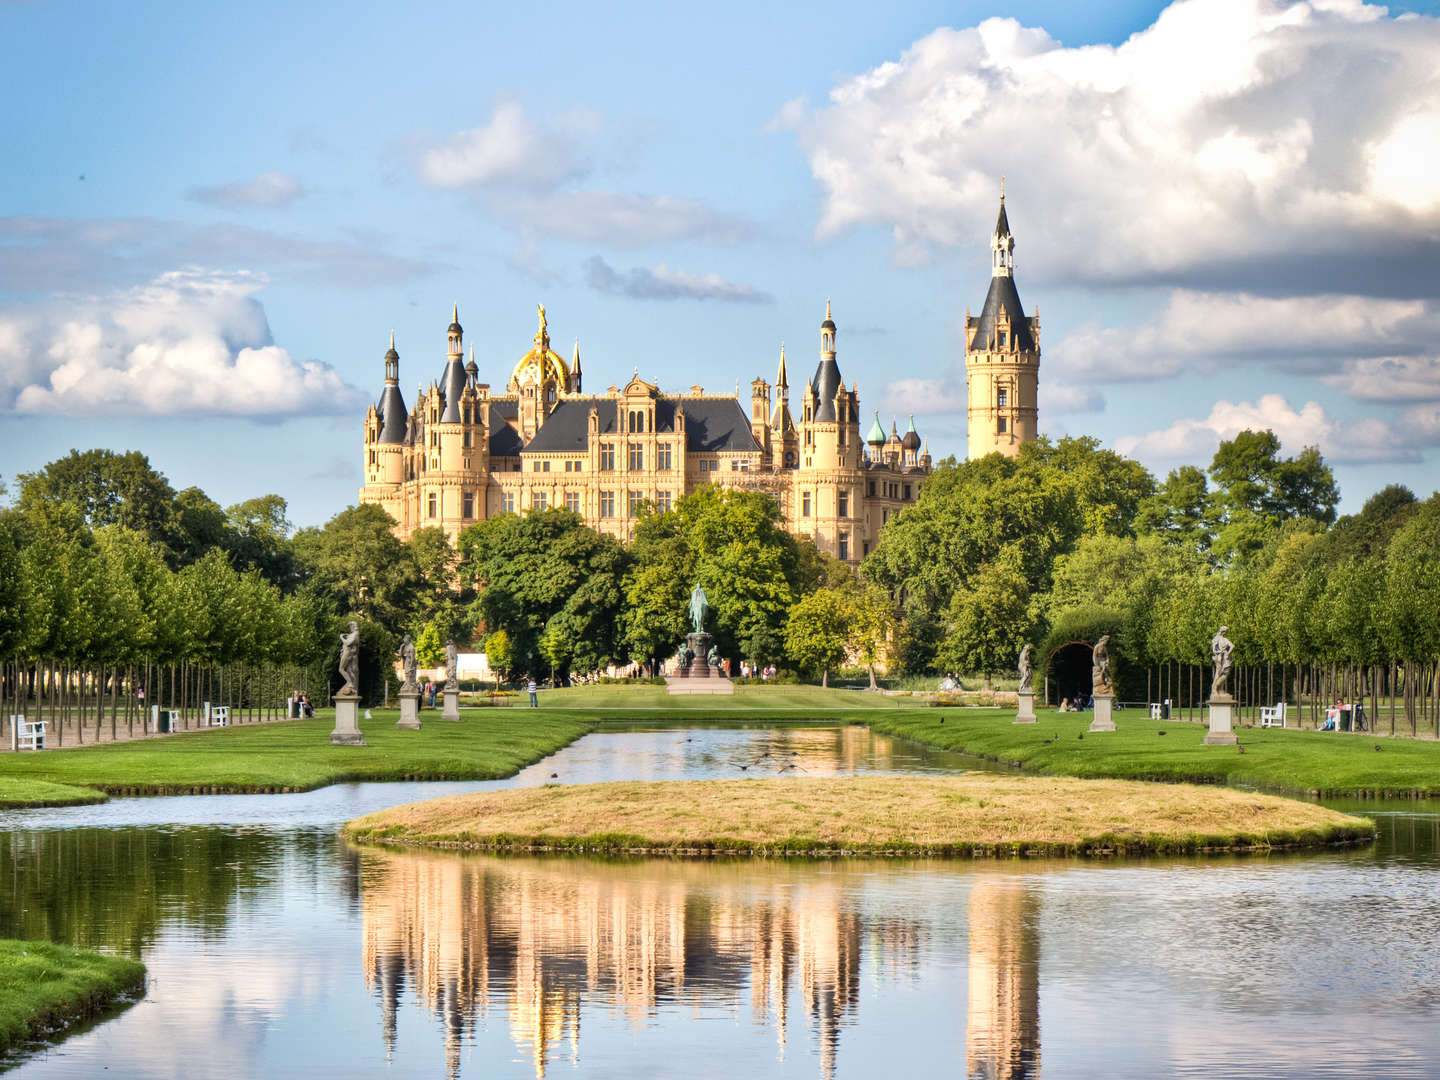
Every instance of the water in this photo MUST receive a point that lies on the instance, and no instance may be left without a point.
(275, 948)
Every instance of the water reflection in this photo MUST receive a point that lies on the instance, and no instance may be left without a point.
(1002, 1029)
(540, 940)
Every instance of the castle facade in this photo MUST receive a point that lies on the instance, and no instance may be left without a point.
(463, 454)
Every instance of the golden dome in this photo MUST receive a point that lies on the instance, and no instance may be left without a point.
(541, 364)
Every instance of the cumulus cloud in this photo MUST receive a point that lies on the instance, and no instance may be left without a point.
(1304, 334)
(268, 190)
(40, 254)
(1341, 440)
(1278, 146)
(190, 342)
(530, 177)
(1390, 378)
(665, 283)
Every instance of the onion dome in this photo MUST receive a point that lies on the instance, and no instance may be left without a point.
(911, 441)
(876, 437)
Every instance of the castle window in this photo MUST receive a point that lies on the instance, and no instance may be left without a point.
(805, 504)
(1000, 425)
(871, 490)
(1000, 339)
(467, 505)
(665, 502)
(547, 466)
(539, 500)
(865, 548)
(884, 516)
(1002, 397)
(637, 457)
(467, 438)
(607, 457)
(907, 492)
(507, 502)
(790, 459)
(572, 501)
(637, 500)
(662, 457)
(844, 499)
(372, 457)
(842, 434)
(734, 465)
(432, 504)
(607, 504)
(844, 546)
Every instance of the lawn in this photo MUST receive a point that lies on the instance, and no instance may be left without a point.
(45, 987)
(295, 755)
(973, 814)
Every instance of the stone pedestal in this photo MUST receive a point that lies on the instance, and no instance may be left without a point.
(700, 664)
(1026, 715)
(409, 710)
(347, 721)
(1103, 720)
(1221, 733)
(452, 705)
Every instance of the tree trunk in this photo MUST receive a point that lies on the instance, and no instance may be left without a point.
(825, 677)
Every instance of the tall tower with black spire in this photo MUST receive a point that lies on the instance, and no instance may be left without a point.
(1002, 357)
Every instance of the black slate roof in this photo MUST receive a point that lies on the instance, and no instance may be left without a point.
(826, 381)
(505, 441)
(393, 416)
(1003, 294)
(452, 385)
(711, 424)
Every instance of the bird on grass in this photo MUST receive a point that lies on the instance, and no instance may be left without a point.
(1240, 748)
(554, 776)
(1377, 746)
(1080, 736)
(1162, 733)
(942, 719)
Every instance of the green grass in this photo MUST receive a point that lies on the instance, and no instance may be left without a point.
(1311, 762)
(45, 987)
(490, 743)
(296, 756)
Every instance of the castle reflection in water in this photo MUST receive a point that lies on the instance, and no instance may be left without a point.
(538, 940)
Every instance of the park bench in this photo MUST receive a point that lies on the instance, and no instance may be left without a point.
(219, 716)
(1273, 716)
(164, 721)
(26, 734)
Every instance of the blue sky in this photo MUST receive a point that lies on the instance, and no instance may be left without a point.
(1227, 212)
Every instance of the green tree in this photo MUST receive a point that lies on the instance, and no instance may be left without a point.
(987, 623)
(499, 654)
(1179, 512)
(873, 629)
(108, 489)
(818, 630)
(360, 563)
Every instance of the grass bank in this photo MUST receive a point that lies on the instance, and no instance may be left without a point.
(1324, 764)
(28, 791)
(45, 988)
(296, 755)
(762, 701)
(974, 814)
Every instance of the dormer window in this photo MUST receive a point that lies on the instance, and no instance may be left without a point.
(1000, 339)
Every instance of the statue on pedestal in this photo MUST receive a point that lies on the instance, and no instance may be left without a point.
(407, 662)
(350, 660)
(452, 663)
(698, 608)
(1220, 649)
(1100, 667)
(1026, 673)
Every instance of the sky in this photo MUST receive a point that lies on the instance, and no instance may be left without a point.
(1227, 213)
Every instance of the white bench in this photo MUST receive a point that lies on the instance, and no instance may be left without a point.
(220, 716)
(26, 735)
(1273, 716)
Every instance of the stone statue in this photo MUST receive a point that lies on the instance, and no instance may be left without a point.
(1220, 649)
(452, 662)
(714, 660)
(698, 608)
(1026, 673)
(350, 660)
(1100, 667)
(407, 661)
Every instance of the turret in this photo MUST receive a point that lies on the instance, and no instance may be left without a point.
(760, 416)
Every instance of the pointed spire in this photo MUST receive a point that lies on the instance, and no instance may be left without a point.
(575, 360)
(455, 311)
(782, 378)
(827, 300)
(392, 339)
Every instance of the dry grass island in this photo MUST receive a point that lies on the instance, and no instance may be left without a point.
(972, 814)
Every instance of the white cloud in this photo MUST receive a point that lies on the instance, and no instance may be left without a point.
(528, 176)
(666, 283)
(1284, 139)
(191, 342)
(1320, 333)
(271, 189)
(1365, 440)
(1390, 378)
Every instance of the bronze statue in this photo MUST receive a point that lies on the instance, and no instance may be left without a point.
(1026, 674)
(698, 608)
(350, 660)
(1100, 667)
(452, 662)
(1220, 649)
(407, 661)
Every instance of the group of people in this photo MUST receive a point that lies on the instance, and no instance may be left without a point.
(1080, 703)
(750, 671)
(1336, 713)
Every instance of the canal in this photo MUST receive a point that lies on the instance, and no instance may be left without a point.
(276, 948)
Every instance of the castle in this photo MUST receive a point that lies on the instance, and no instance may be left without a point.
(462, 454)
